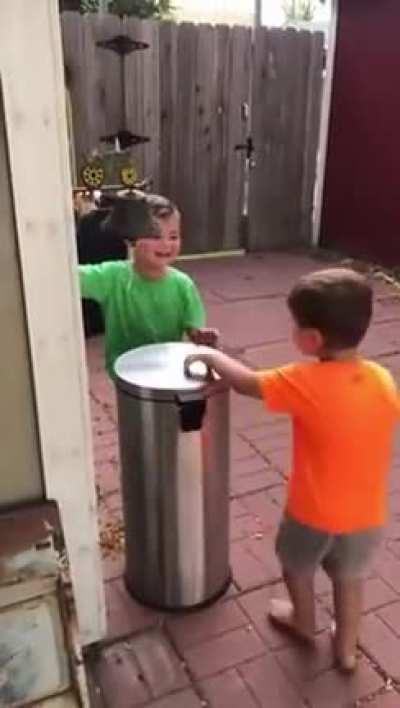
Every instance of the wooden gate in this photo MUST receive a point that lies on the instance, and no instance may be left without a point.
(186, 92)
(286, 101)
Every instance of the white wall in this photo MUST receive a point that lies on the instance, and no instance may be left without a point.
(215, 11)
(241, 12)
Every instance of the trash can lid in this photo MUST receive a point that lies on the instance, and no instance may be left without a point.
(156, 371)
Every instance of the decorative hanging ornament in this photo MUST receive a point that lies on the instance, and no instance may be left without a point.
(128, 176)
(93, 175)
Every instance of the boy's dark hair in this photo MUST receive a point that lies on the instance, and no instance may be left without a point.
(337, 302)
(160, 207)
(136, 214)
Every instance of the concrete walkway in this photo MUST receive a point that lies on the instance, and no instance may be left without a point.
(228, 655)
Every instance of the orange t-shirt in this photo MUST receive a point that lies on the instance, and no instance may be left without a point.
(344, 414)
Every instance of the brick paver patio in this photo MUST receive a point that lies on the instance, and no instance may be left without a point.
(228, 655)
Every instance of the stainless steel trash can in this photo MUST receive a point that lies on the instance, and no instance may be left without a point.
(174, 446)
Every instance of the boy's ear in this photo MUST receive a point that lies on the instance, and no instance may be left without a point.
(309, 340)
(316, 339)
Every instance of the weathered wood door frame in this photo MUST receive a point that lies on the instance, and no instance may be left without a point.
(325, 121)
(35, 116)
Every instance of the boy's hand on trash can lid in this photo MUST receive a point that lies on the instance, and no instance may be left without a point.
(197, 366)
(205, 336)
(213, 382)
(205, 357)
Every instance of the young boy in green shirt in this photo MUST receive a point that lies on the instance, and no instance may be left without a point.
(143, 299)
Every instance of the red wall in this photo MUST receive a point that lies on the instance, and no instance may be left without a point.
(361, 206)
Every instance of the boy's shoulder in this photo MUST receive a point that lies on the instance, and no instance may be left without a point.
(366, 373)
(318, 369)
(118, 266)
(179, 276)
(106, 271)
(378, 371)
(113, 267)
(117, 271)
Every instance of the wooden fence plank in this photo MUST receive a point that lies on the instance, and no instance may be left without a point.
(218, 130)
(295, 102)
(265, 123)
(201, 236)
(168, 47)
(95, 85)
(312, 124)
(107, 93)
(268, 208)
(142, 95)
(236, 91)
(72, 36)
(185, 130)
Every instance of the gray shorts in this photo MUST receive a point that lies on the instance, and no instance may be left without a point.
(302, 549)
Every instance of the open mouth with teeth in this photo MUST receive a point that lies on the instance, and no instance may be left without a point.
(158, 254)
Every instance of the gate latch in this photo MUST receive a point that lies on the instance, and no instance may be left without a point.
(248, 148)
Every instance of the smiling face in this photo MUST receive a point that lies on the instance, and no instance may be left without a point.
(154, 255)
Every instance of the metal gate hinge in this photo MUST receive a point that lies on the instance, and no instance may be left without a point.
(122, 44)
(125, 139)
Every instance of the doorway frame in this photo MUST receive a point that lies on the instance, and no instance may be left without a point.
(36, 127)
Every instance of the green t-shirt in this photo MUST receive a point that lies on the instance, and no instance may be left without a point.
(139, 311)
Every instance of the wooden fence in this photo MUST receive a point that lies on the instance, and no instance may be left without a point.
(185, 92)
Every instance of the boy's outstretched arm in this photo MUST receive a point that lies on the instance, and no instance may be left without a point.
(242, 379)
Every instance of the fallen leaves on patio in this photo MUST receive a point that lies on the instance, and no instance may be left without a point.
(112, 537)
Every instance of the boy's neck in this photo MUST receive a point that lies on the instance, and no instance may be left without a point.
(339, 355)
(148, 272)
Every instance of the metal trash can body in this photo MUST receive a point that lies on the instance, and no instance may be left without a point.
(174, 447)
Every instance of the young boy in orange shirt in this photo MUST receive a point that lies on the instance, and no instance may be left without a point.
(344, 409)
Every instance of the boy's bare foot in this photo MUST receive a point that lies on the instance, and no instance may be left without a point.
(345, 661)
(346, 664)
(281, 615)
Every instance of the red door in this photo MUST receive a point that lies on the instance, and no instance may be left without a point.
(361, 206)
